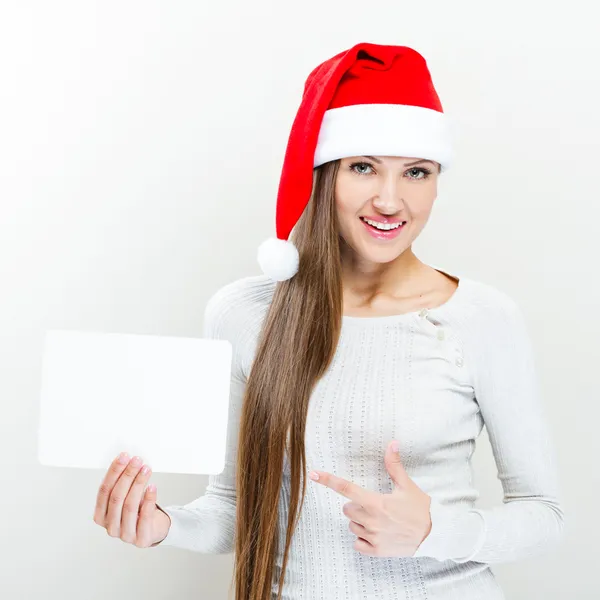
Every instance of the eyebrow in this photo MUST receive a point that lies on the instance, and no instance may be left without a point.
(410, 164)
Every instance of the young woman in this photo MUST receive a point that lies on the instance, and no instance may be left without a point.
(371, 371)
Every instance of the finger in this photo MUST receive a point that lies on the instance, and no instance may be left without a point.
(132, 504)
(394, 466)
(355, 512)
(118, 495)
(358, 530)
(145, 522)
(344, 487)
(118, 465)
(364, 547)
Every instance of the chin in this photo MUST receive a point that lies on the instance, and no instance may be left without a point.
(381, 256)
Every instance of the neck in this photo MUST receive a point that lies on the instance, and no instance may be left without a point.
(397, 277)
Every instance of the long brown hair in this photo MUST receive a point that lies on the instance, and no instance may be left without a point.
(297, 342)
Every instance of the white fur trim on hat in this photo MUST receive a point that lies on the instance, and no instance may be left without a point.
(278, 259)
(384, 130)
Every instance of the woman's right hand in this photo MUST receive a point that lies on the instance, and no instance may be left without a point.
(126, 509)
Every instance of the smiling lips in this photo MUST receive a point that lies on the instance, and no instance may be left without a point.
(384, 220)
(390, 230)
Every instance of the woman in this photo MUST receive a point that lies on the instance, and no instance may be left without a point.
(356, 361)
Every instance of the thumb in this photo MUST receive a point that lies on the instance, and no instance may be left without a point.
(394, 466)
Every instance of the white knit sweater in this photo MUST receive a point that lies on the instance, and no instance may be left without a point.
(431, 380)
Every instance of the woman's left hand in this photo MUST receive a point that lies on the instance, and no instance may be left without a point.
(387, 525)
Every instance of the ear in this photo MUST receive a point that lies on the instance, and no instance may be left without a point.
(394, 466)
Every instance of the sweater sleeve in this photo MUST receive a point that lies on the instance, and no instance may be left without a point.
(207, 524)
(529, 521)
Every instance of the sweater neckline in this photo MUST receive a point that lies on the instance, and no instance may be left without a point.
(400, 317)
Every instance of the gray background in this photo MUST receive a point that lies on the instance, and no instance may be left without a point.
(140, 150)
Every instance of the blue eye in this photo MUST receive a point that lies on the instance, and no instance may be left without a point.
(426, 172)
(356, 164)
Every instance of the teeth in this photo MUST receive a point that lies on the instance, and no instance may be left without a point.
(383, 226)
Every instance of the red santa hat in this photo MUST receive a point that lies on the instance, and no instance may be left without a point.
(369, 100)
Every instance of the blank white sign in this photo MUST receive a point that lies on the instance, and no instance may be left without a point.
(165, 399)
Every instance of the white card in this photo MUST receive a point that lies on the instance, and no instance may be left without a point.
(163, 398)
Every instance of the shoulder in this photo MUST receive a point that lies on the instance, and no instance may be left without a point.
(237, 306)
(491, 317)
(488, 301)
(484, 294)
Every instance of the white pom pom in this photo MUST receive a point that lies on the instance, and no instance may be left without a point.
(278, 259)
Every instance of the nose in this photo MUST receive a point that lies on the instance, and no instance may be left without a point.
(389, 199)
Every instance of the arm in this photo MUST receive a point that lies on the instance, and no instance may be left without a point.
(207, 524)
(530, 520)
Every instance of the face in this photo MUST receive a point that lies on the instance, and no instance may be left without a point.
(389, 190)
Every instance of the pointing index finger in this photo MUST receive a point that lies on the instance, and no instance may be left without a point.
(342, 486)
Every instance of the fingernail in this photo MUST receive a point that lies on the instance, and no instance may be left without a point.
(145, 469)
(314, 476)
(395, 446)
(123, 458)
